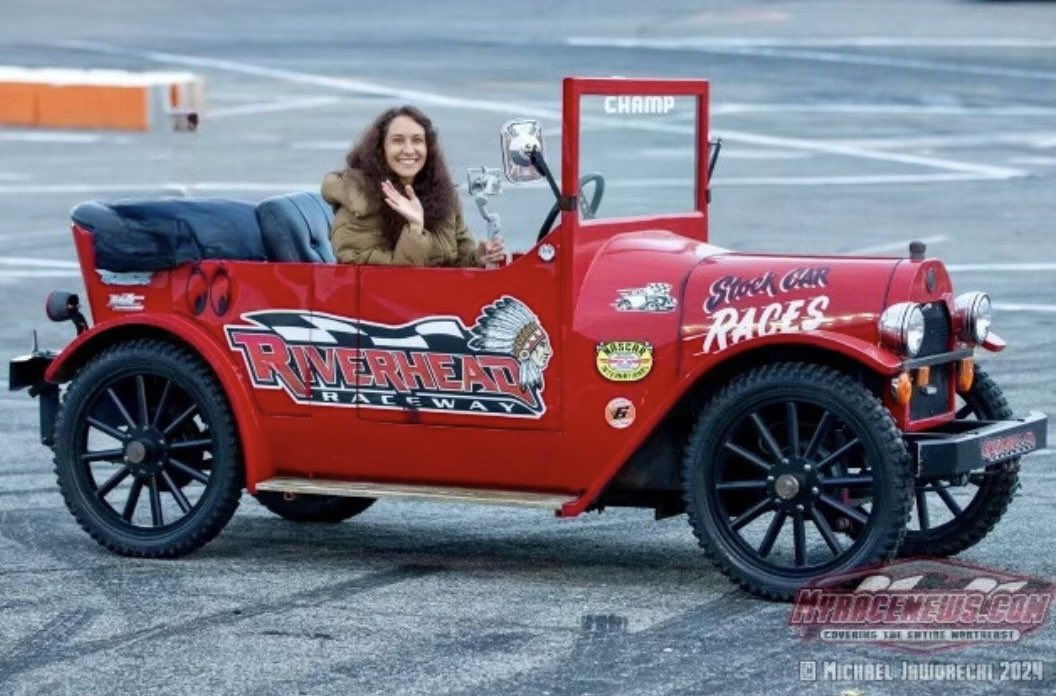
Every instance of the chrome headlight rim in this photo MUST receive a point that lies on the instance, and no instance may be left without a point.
(902, 327)
(976, 311)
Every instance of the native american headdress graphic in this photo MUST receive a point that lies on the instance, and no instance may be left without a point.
(508, 326)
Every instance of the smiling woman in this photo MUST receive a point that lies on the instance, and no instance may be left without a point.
(395, 203)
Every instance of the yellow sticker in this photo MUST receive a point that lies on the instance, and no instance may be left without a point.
(624, 361)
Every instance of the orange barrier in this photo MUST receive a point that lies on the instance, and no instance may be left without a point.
(104, 99)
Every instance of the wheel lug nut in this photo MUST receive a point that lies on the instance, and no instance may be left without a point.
(814, 491)
(800, 508)
(770, 479)
(784, 461)
(808, 467)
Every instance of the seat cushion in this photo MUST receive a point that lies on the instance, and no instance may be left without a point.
(152, 235)
(296, 228)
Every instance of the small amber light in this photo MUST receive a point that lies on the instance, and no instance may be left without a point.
(965, 375)
(923, 376)
(902, 388)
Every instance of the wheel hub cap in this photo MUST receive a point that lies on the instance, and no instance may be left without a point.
(786, 487)
(135, 452)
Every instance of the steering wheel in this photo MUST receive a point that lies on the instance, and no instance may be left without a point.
(588, 208)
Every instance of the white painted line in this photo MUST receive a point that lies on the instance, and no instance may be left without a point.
(1043, 139)
(817, 56)
(56, 273)
(433, 99)
(834, 42)
(49, 137)
(850, 151)
(271, 107)
(337, 145)
(337, 83)
(1014, 307)
(895, 246)
(160, 189)
(20, 189)
(34, 262)
(853, 180)
(1013, 267)
(728, 108)
(731, 153)
(270, 186)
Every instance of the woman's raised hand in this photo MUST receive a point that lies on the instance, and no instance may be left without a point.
(406, 204)
(491, 251)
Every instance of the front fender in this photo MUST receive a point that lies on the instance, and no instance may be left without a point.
(176, 329)
(871, 356)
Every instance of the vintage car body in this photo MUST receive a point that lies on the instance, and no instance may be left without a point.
(539, 383)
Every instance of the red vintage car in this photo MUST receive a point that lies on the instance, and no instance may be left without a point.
(798, 408)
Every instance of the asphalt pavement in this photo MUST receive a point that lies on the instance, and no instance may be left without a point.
(848, 128)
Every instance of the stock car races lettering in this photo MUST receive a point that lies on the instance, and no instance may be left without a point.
(728, 289)
(495, 367)
(730, 325)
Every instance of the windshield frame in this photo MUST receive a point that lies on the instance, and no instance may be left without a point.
(574, 88)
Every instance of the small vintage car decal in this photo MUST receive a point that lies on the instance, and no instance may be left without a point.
(619, 413)
(624, 361)
(436, 363)
(654, 297)
(126, 302)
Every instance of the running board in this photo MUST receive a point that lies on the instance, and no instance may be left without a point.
(363, 489)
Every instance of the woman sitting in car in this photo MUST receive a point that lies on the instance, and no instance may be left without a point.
(395, 204)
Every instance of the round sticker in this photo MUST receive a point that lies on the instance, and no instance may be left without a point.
(619, 413)
(624, 361)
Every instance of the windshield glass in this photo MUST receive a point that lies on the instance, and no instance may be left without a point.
(645, 148)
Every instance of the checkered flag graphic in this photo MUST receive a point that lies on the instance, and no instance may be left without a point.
(433, 334)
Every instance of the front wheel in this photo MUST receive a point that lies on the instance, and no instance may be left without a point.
(953, 515)
(781, 463)
(146, 452)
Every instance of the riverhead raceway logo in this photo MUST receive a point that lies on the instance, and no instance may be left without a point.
(494, 367)
(922, 605)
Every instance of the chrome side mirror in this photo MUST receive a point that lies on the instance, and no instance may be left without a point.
(520, 138)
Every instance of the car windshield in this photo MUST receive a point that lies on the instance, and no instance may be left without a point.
(645, 148)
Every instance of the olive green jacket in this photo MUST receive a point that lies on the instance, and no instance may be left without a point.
(357, 237)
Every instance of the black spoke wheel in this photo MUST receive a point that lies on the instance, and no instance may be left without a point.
(781, 464)
(950, 516)
(146, 452)
(300, 507)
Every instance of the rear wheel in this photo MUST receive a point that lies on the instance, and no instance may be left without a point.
(779, 453)
(950, 516)
(299, 507)
(146, 452)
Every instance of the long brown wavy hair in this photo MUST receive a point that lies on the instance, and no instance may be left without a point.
(432, 184)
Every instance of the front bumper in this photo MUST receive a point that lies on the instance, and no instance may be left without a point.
(28, 371)
(964, 446)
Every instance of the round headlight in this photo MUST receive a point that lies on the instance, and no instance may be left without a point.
(977, 314)
(913, 331)
(902, 327)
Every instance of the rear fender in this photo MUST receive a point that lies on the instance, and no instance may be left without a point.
(181, 331)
